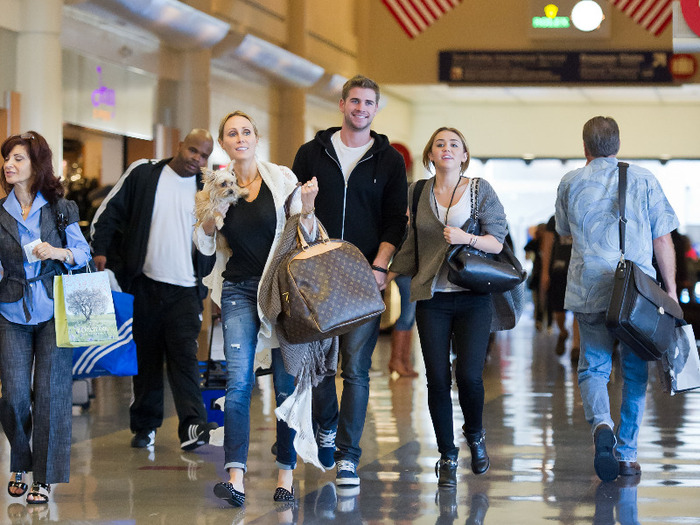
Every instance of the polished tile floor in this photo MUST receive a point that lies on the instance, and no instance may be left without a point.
(540, 448)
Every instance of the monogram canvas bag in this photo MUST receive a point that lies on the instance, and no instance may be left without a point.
(327, 289)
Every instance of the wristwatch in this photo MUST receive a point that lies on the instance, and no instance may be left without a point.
(66, 259)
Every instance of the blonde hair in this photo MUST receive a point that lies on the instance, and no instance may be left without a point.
(237, 113)
(429, 146)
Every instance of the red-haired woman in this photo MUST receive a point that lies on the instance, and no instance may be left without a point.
(39, 238)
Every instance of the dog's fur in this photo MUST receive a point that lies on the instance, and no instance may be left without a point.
(220, 191)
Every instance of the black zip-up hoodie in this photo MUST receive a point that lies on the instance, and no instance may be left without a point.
(371, 208)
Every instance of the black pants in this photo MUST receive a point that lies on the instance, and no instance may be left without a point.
(166, 327)
(460, 320)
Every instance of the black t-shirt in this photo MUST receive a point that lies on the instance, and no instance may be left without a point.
(249, 229)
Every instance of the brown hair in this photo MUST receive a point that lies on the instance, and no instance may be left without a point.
(360, 81)
(40, 157)
(237, 113)
(429, 146)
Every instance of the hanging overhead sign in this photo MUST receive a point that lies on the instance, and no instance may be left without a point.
(524, 67)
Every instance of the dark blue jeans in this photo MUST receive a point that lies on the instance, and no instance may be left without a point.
(239, 316)
(38, 427)
(462, 321)
(356, 349)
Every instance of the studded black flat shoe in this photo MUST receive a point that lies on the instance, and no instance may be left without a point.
(224, 490)
(282, 494)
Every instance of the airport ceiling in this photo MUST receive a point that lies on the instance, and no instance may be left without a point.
(93, 12)
(654, 95)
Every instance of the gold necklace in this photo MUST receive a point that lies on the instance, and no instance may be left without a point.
(251, 182)
(26, 208)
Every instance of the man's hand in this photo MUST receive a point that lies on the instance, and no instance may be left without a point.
(100, 262)
(381, 279)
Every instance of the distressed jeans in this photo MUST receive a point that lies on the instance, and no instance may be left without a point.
(594, 367)
(239, 317)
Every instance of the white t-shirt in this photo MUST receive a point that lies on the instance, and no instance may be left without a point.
(348, 157)
(169, 252)
(457, 216)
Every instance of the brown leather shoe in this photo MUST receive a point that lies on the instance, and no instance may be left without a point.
(630, 468)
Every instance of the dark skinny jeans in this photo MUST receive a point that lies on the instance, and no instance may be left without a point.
(461, 321)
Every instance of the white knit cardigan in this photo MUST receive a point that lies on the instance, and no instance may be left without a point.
(281, 182)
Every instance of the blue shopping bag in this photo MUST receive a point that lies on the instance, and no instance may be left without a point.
(113, 359)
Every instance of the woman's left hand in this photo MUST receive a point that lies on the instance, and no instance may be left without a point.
(308, 195)
(454, 235)
(45, 251)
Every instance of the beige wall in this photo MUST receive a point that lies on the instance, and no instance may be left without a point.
(387, 54)
(554, 130)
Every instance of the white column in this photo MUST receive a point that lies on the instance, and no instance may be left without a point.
(39, 73)
(193, 90)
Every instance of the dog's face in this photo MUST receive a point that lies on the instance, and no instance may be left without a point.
(221, 185)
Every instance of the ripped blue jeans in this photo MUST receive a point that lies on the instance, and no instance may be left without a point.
(239, 317)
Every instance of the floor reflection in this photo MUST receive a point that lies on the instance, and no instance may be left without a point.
(540, 447)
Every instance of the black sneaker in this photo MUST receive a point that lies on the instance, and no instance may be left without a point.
(197, 435)
(144, 439)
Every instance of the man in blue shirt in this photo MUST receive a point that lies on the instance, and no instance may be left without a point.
(587, 210)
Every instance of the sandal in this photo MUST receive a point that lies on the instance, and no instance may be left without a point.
(17, 482)
(224, 490)
(39, 493)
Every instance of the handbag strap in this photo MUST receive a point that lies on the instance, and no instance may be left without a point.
(621, 198)
(417, 190)
(475, 205)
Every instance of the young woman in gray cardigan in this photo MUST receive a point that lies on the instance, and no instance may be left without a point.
(448, 316)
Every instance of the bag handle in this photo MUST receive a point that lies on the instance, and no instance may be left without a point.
(321, 232)
(621, 198)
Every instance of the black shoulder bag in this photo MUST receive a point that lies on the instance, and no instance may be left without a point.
(640, 314)
(479, 271)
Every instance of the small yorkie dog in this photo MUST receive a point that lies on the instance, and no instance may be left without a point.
(220, 190)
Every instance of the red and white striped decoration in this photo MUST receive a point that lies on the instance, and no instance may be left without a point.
(653, 15)
(415, 16)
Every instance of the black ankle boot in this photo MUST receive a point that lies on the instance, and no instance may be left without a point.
(477, 446)
(446, 472)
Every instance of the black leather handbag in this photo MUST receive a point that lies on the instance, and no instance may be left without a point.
(479, 271)
(640, 314)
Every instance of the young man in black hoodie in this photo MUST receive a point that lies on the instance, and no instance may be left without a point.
(362, 199)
